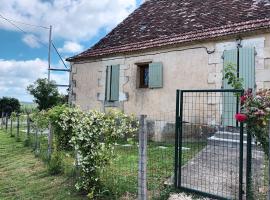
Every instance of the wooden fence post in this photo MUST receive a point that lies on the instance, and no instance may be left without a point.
(142, 177)
(50, 136)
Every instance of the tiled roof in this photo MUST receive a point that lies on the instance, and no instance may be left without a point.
(158, 23)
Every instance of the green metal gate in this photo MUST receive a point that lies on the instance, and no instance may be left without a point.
(208, 155)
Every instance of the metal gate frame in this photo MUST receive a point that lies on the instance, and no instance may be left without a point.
(178, 145)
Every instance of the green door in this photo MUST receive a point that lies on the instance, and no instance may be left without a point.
(246, 71)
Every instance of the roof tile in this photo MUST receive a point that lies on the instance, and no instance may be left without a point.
(158, 23)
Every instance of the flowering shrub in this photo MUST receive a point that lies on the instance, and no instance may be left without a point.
(93, 136)
(240, 117)
(255, 111)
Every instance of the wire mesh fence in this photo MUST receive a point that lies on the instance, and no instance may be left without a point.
(210, 153)
(120, 179)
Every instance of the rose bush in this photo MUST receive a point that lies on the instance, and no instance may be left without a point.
(255, 112)
(255, 108)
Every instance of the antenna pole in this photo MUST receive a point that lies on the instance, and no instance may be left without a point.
(49, 53)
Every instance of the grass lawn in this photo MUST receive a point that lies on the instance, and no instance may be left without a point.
(121, 175)
(22, 176)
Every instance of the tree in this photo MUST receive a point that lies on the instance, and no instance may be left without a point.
(45, 94)
(9, 105)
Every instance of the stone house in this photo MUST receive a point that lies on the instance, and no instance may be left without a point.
(166, 45)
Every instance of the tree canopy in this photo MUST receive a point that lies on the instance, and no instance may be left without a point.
(9, 105)
(45, 94)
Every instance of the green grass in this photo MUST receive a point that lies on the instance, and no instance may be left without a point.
(121, 175)
(23, 176)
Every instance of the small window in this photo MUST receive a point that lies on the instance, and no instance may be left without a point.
(143, 76)
(150, 75)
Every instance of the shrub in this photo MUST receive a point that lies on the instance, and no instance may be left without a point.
(94, 136)
(62, 136)
(40, 120)
(55, 164)
(255, 109)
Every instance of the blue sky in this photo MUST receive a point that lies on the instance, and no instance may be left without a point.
(77, 25)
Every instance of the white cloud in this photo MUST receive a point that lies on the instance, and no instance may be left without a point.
(71, 47)
(31, 40)
(16, 75)
(72, 20)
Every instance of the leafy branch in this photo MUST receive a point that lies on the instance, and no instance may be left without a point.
(230, 74)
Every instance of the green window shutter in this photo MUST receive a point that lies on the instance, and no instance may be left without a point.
(112, 83)
(230, 57)
(155, 75)
(108, 84)
(247, 67)
(229, 108)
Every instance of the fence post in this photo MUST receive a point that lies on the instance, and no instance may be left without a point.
(142, 178)
(36, 140)
(18, 127)
(248, 168)
(11, 127)
(6, 122)
(2, 120)
(50, 136)
(28, 127)
(269, 161)
(77, 164)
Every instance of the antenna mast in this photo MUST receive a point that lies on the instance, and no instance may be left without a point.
(49, 53)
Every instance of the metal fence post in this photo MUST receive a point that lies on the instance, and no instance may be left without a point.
(142, 180)
(176, 151)
(269, 161)
(6, 122)
(248, 170)
(11, 134)
(50, 136)
(36, 140)
(18, 126)
(28, 127)
(77, 164)
(2, 120)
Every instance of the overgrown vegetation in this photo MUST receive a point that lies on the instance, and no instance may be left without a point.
(94, 135)
(62, 136)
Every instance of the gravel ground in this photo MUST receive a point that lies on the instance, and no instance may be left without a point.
(183, 196)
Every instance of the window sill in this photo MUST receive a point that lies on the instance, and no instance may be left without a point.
(111, 103)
